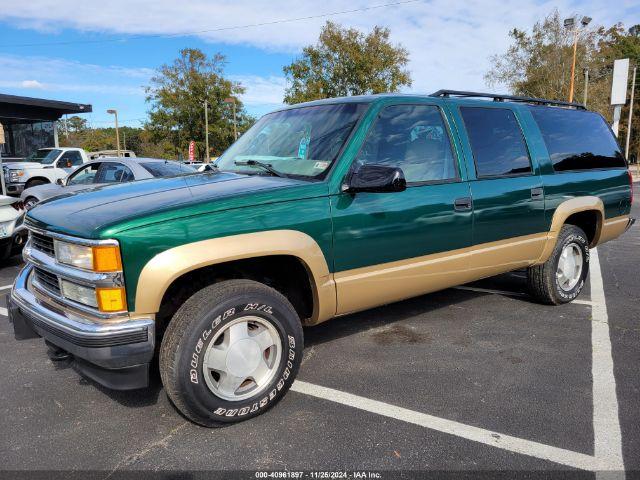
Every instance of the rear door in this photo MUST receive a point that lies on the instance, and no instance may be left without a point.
(506, 186)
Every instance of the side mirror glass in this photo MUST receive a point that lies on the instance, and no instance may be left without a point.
(376, 179)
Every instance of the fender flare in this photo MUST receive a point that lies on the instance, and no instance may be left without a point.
(564, 211)
(160, 272)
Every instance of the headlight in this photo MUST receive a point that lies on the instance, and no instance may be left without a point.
(100, 258)
(79, 293)
(15, 174)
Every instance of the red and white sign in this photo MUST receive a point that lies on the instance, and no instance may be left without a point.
(192, 151)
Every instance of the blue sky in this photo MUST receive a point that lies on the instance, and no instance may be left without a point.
(449, 42)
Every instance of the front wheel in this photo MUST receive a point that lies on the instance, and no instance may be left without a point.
(561, 278)
(230, 352)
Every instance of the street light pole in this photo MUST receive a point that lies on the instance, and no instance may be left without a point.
(115, 113)
(571, 22)
(206, 131)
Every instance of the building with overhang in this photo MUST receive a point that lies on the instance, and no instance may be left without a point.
(31, 123)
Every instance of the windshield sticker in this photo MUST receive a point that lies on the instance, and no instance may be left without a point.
(321, 165)
(304, 143)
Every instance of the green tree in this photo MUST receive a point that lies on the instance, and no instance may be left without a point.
(177, 94)
(347, 62)
(538, 63)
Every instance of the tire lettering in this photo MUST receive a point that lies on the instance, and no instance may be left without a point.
(243, 411)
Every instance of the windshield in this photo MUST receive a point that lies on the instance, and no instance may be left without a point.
(167, 168)
(44, 155)
(302, 141)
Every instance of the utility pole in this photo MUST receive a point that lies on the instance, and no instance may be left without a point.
(633, 88)
(206, 131)
(586, 85)
(115, 112)
(124, 139)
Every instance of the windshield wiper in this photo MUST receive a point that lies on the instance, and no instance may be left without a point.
(265, 166)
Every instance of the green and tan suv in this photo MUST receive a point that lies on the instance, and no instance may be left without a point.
(319, 210)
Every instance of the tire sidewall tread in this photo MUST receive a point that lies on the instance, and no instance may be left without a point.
(196, 323)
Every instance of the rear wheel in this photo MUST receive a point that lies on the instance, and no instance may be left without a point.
(230, 352)
(561, 278)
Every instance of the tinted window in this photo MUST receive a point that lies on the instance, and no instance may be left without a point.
(114, 173)
(167, 169)
(414, 138)
(577, 140)
(84, 176)
(496, 141)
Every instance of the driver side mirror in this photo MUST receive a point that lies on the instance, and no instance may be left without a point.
(60, 182)
(376, 179)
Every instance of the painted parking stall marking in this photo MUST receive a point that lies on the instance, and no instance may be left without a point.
(607, 461)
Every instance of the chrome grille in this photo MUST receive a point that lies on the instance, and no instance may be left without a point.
(47, 281)
(43, 243)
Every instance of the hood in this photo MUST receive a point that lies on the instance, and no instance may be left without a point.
(16, 165)
(119, 207)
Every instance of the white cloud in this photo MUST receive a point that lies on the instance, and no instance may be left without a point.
(449, 40)
(261, 91)
(31, 84)
(59, 75)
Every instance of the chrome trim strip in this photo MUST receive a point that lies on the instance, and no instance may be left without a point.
(29, 303)
(68, 238)
(83, 277)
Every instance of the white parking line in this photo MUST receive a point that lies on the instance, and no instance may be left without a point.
(4, 287)
(607, 460)
(3, 311)
(606, 423)
(488, 437)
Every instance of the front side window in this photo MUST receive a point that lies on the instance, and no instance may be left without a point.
(497, 142)
(301, 141)
(413, 138)
(84, 176)
(577, 139)
(70, 159)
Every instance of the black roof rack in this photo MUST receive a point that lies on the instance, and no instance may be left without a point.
(511, 98)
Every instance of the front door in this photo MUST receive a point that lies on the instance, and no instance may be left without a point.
(390, 246)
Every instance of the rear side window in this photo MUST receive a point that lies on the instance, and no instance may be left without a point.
(496, 141)
(577, 140)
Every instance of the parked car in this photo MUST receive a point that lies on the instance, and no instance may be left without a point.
(46, 165)
(319, 210)
(105, 171)
(12, 232)
(111, 153)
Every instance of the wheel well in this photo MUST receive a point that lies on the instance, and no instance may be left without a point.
(286, 274)
(36, 179)
(588, 221)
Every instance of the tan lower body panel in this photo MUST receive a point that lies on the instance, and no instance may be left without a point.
(613, 228)
(368, 287)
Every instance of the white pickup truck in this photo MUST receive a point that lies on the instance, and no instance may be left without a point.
(46, 165)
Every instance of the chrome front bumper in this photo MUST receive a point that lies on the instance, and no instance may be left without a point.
(114, 352)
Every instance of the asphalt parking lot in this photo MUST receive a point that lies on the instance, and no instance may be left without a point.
(477, 379)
